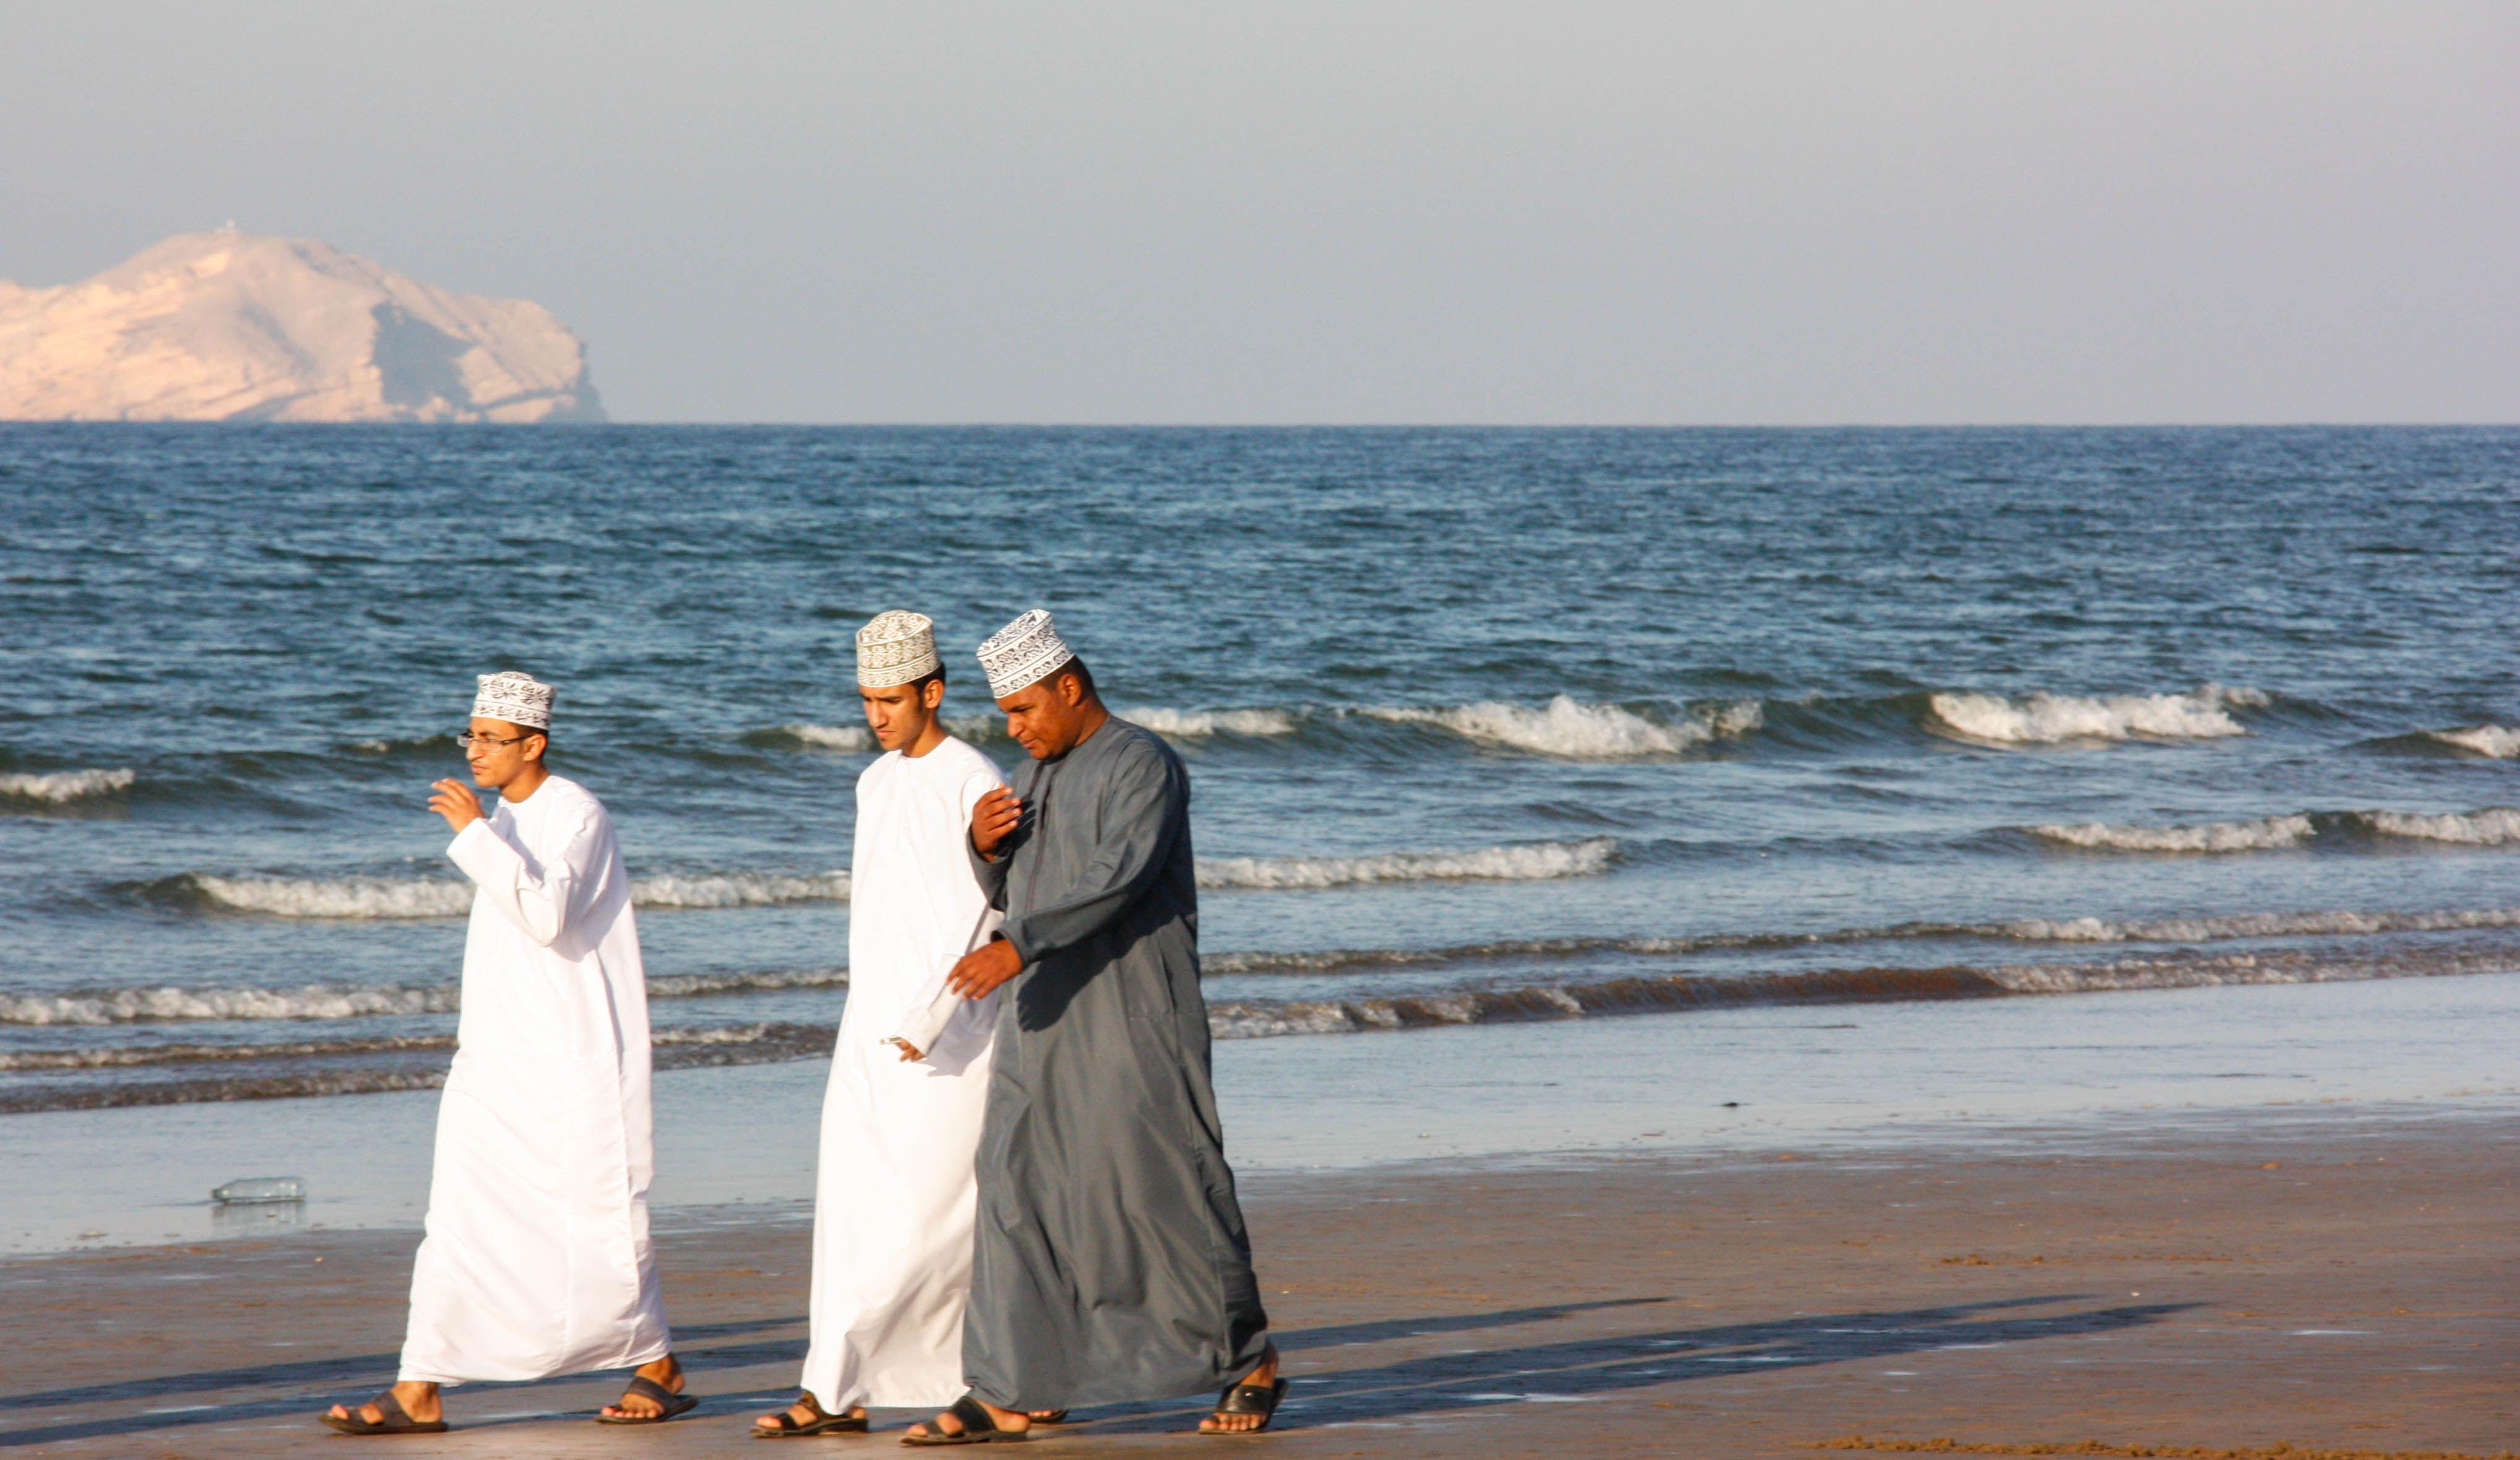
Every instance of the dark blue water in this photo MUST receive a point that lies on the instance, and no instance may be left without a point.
(1483, 724)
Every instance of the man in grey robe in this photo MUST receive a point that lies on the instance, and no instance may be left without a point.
(1111, 1262)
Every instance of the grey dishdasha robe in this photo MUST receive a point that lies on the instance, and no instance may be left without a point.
(1111, 1262)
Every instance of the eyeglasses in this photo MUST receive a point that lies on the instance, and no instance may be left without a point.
(470, 738)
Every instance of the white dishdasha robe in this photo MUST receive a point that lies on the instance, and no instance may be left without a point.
(536, 1259)
(894, 1194)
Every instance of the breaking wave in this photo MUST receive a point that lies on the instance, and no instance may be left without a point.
(2494, 826)
(1680, 992)
(320, 1001)
(56, 788)
(1569, 729)
(1200, 723)
(2496, 742)
(2045, 719)
(357, 897)
(2269, 834)
(816, 738)
(2203, 929)
(1529, 862)
(112, 1006)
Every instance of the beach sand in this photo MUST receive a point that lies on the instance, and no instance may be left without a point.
(2346, 1279)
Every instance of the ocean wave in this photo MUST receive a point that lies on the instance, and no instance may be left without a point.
(141, 1056)
(2494, 825)
(325, 1001)
(1569, 729)
(380, 897)
(1193, 724)
(815, 737)
(1682, 992)
(2495, 742)
(1527, 862)
(738, 889)
(55, 788)
(2201, 929)
(2043, 720)
(2267, 833)
(112, 1006)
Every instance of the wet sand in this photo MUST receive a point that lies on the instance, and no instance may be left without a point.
(2345, 1280)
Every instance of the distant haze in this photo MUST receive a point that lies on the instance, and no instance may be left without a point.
(1649, 212)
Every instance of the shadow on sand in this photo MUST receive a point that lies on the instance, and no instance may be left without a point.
(1581, 1368)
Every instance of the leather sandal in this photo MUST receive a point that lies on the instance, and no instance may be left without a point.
(1250, 1399)
(390, 1419)
(978, 1426)
(782, 1427)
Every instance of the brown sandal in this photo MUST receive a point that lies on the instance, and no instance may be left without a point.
(391, 1419)
(783, 1428)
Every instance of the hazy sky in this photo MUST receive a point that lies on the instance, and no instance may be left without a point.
(1352, 212)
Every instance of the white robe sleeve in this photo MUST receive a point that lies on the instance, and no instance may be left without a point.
(936, 1005)
(542, 899)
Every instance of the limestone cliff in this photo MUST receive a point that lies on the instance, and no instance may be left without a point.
(232, 326)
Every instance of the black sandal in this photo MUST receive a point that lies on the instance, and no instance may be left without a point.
(978, 1426)
(1250, 1399)
(671, 1403)
(390, 1419)
(781, 1427)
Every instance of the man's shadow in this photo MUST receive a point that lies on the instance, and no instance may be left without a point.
(1574, 1369)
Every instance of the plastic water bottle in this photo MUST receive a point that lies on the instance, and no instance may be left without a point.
(249, 1189)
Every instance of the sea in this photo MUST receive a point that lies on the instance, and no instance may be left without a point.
(1484, 726)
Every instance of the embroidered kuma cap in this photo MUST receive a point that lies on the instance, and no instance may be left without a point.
(518, 699)
(897, 647)
(1024, 654)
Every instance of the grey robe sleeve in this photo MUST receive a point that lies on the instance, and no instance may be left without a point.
(1142, 804)
(992, 875)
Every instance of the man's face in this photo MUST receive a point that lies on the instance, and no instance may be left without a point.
(900, 713)
(1047, 718)
(498, 752)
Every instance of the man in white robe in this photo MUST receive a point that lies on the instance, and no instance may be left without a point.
(536, 1259)
(894, 1194)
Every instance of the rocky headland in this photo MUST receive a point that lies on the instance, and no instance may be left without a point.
(230, 326)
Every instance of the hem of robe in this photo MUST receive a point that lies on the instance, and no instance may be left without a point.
(1086, 1397)
(634, 1358)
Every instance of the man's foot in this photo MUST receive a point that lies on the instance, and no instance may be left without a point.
(418, 1399)
(950, 1424)
(807, 1416)
(1264, 1377)
(664, 1373)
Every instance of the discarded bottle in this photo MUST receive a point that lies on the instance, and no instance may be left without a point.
(249, 1189)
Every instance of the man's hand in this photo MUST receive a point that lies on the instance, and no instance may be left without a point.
(994, 820)
(909, 1051)
(984, 968)
(456, 802)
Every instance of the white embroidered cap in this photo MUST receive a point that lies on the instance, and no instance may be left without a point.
(897, 647)
(518, 699)
(1024, 654)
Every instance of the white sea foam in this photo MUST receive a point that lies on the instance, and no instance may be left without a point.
(149, 1005)
(1200, 723)
(1569, 729)
(2494, 825)
(1528, 862)
(334, 896)
(444, 897)
(831, 737)
(737, 890)
(2043, 720)
(61, 787)
(2240, 924)
(2267, 834)
(2497, 741)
